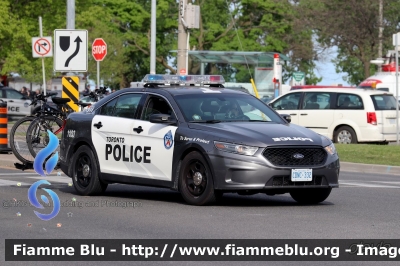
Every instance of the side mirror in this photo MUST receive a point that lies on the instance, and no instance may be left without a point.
(162, 119)
(288, 118)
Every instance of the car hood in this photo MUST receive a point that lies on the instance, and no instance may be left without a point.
(261, 133)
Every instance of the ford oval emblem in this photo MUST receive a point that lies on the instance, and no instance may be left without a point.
(298, 156)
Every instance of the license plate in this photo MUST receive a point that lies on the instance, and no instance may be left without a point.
(301, 175)
(392, 121)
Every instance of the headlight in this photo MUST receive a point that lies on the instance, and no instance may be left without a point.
(235, 148)
(331, 149)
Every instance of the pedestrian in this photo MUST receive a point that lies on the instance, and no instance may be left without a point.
(86, 91)
(1, 81)
(24, 91)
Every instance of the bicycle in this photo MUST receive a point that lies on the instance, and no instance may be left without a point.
(19, 135)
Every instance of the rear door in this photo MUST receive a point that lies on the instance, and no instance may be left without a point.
(112, 134)
(385, 109)
(316, 112)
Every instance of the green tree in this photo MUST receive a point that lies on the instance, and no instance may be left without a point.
(352, 26)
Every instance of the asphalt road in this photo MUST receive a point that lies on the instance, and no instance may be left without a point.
(364, 207)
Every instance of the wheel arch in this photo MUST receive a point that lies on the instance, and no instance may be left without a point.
(75, 147)
(190, 148)
(350, 125)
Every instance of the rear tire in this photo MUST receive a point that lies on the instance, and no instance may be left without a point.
(345, 135)
(37, 136)
(85, 173)
(195, 180)
(18, 140)
(311, 195)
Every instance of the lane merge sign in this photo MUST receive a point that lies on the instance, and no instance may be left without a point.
(99, 49)
(42, 47)
(70, 50)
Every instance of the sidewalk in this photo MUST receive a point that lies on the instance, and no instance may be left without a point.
(8, 160)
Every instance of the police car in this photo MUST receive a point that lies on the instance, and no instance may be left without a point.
(18, 105)
(190, 134)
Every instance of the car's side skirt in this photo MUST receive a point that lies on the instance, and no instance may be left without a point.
(113, 178)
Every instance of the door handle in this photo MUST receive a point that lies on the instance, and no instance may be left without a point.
(10, 101)
(138, 129)
(303, 114)
(293, 114)
(98, 125)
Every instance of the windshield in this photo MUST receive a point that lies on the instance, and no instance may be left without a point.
(218, 107)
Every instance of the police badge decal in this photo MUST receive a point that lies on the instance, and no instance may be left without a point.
(168, 140)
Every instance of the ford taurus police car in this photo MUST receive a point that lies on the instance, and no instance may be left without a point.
(202, 141)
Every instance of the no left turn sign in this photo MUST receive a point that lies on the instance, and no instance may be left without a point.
(42, 47)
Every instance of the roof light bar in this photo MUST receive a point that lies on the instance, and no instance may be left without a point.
(184, 79)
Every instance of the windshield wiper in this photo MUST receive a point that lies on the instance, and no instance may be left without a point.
(206, 121)
(258, 121)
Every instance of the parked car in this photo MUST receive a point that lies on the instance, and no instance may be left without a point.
(345, 115)
(18, 105)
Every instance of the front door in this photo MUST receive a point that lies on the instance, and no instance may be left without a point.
(156, 140)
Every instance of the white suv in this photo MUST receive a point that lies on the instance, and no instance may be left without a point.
(343, 115)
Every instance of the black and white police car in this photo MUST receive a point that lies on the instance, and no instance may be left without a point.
(202, 141)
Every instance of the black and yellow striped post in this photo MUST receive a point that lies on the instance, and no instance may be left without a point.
(3, 128)
(70, 89)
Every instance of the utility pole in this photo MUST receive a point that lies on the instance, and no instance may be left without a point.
(380, 37)
(153, 38)
(70, 14)
(182, 40)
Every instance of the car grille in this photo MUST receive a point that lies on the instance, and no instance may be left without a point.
(306, 156)
(285, 181)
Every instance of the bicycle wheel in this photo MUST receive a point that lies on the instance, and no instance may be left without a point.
(18, 139)
(37, 136)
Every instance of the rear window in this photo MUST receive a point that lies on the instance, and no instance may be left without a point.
(384, 102)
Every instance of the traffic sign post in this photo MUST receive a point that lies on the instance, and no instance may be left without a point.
(99, 51)
(70, 50)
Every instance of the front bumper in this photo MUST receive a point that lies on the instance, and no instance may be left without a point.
(237, 172)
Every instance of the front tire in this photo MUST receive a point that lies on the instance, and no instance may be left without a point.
(345, 135)
(311, 195)
(195, 180)
(85, 173)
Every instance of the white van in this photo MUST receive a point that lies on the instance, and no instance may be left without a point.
(341, 114)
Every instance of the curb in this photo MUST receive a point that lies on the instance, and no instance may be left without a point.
(370, 168)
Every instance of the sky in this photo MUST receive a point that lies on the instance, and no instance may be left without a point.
(326, 70)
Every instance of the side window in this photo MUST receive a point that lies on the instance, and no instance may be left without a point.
(127, 105)
(108, 108)
(156, 105)
(349, 101)
(317, 100)
(11, 94)
(287, 102)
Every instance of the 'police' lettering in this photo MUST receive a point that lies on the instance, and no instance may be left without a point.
(108, 150)
(138, 159)
(13, 108)
(138, 153)
(117, 157)
(145, 154)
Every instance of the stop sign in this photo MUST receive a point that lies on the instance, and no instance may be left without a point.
(99, 49)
